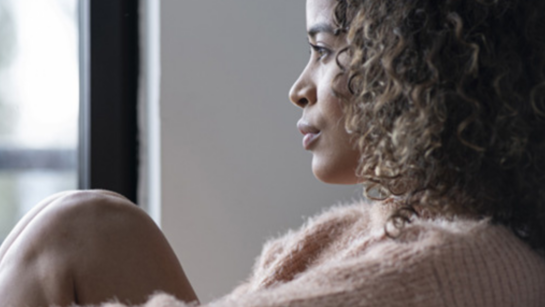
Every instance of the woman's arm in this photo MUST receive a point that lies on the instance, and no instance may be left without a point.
(88, 247)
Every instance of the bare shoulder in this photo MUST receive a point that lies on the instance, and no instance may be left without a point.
(98, 246)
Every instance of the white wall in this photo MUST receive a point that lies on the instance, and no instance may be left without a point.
(234, 172)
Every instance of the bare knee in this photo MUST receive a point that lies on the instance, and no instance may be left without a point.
(39, 261)
(33, 258)
(89, 247)
(124, 256)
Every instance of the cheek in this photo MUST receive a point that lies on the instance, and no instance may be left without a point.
(338, 82)
(331, 93)
(332, 112)
(335, 160)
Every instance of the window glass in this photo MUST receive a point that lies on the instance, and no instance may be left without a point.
(39, 94)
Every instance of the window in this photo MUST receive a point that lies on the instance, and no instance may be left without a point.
(39, 94)
(68, 100)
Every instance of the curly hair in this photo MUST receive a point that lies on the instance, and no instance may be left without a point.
(447, 106)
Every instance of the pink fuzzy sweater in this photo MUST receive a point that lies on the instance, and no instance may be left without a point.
(343, 258)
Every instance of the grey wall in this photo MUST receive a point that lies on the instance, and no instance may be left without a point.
(234, 171)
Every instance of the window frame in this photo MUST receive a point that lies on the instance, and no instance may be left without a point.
(109, 78)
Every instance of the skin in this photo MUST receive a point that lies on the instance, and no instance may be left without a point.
(334, 158)
(88, 247)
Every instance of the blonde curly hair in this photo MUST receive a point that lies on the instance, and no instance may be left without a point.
(447, 106)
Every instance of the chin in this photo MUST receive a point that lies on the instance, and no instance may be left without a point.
(334, 173)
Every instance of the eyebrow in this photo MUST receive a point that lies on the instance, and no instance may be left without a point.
(319, 28)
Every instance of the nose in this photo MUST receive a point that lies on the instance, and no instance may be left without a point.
(303, 91)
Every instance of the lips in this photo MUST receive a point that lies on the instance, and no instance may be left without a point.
(310, 133)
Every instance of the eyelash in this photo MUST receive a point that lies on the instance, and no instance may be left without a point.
(321, 51)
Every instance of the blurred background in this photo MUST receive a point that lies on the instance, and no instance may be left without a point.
(234, 172)
(219, 160)
(39, 98)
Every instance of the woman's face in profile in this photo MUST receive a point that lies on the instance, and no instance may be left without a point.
(334, 159)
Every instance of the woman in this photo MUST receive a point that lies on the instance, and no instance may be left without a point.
(436, 107)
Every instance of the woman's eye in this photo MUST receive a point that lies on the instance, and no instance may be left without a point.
(321, 52)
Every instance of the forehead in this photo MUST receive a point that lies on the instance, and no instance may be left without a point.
(319, 11)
